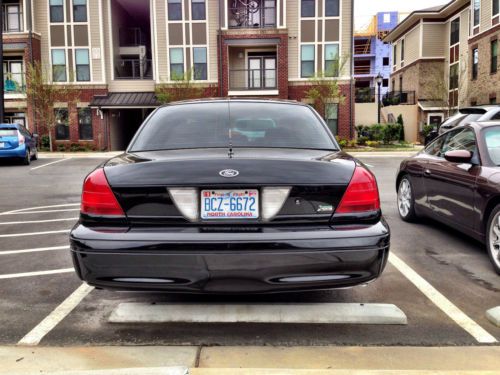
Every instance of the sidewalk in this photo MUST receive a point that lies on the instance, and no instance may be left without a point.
(193, 360)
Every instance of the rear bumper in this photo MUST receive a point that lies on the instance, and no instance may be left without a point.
(194, 261)
(18, 152)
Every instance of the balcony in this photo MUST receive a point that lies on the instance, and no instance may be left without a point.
(252, 79)
(12, 18)
(399, 97)
(365, 95)
(258, 14)
(133, 69)
(363, 70)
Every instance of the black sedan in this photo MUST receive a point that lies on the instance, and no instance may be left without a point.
(456, 180)
(230, 196)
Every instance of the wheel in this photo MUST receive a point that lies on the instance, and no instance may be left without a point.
(35, 154)
(406, 201)
(493, 238)
(27, 157)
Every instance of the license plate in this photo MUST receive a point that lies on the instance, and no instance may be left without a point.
(230, 204)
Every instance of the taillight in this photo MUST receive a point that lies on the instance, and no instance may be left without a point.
(20, 138)
(97, 197)
(361, 194)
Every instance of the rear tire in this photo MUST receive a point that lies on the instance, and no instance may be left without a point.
(405, 200)
(35, 154)
(27, 157)
(493, 238)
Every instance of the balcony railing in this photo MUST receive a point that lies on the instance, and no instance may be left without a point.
(362, 49)
(14, 83)
(365, 95)
(252, 79)
(252, 14)
(133, 69)
(362, 70)
(399, 97)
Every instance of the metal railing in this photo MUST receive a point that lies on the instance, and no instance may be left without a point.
(246, 14)
(133, 69)
(363, 70)
(253, 79)
(362, 49)
(399, 97)
(14, 83)
(365, 95)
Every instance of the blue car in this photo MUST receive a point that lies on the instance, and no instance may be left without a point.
(17, 142)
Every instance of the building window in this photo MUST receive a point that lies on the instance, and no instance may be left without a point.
(475, 62)
(496, 7)
(476, 12)
(395, 54)
(176, 64)
(402, 50)
(62, 124)
(494, 56)
(453, 77)
(332, 117)
(12, 17)
(387, 18)
(82, 65)
(198, 9)
(385, 61)
(493, 100)
(80, 10)
(56, 11)
(332, 8)
(307, 61)
(385, 82)
(85, 124)
(307, 8)
(13, 74)
(200, 63)
(59, 65)
(331, 60)
(455, 31)
(174, 10)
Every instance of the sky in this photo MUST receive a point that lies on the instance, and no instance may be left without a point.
(364, 9)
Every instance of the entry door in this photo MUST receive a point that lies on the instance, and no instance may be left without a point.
(262, 72)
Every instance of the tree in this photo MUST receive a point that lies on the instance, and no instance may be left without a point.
(181, 87)
(324, 87)
(43, 94)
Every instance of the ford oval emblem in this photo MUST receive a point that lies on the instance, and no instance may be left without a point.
(229, 173)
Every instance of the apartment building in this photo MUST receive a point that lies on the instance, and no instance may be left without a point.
(447, 57)
(117, 52)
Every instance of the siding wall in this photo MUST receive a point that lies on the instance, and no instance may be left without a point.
(161, 40)
(292, 14)
(213, 30)
(95, 39)
(486, 13)
(434, 39)
(412, 46)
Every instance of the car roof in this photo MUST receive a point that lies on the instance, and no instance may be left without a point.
(484, 124)
(239, 100)
(14, 125)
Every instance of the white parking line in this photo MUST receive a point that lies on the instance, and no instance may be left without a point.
(38, 221)
(36, 273)
(39, 212)
(457, 315)
(52, 162)
(53, 248)
(56, 316)
(40, 207)
(34, 233)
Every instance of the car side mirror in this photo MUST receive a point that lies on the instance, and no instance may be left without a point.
(458, 156)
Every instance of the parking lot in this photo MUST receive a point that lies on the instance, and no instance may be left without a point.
(442, 280)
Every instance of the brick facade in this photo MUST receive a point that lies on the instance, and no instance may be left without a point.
(486, 88)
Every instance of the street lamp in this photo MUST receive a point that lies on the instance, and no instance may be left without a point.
(379, 80)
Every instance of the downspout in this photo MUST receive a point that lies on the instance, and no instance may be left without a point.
(29, 17)
(351, 72)
(221, 80)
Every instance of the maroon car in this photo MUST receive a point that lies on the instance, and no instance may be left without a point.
(456, 180)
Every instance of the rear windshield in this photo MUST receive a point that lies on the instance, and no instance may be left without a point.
(241, 124)
(8, 132)
(492, 140)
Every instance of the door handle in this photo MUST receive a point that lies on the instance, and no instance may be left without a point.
(427, 172)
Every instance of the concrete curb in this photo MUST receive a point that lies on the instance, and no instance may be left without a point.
(124, 371)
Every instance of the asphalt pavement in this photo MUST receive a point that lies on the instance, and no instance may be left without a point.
(440, 279)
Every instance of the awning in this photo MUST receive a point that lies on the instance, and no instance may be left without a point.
(125, 100)
(432, 105)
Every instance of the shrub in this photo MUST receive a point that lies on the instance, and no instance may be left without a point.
(61, 147)
(362, 140)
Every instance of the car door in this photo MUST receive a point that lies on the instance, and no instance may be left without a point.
(451, 186)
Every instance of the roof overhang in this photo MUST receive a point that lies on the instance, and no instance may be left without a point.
(438, 13)
(125, 100)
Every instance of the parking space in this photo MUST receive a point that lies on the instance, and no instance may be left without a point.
(39, 206)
